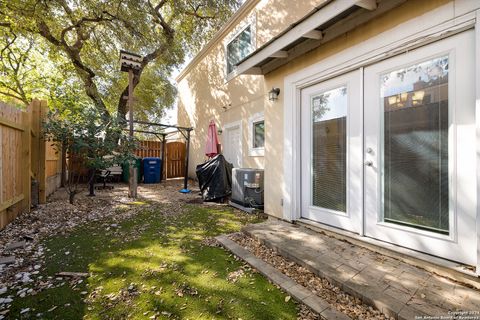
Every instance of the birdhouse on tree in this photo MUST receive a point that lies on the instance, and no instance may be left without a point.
(130, 61)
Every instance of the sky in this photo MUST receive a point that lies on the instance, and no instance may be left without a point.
(171, 113)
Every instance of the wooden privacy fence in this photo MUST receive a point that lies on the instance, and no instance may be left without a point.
(25, 157)
(149, 148)
(174, 165)
(175, 160)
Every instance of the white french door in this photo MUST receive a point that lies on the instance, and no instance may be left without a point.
(420, 174)
(332, 152)
(405, 166)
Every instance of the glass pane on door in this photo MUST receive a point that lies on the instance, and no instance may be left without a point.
(415, 173)
(329, 149)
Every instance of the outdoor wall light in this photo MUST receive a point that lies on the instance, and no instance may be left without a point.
(273, 94)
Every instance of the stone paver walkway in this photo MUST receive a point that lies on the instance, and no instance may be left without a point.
(394, 287)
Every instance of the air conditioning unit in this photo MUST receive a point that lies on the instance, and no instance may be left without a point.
(247, 188)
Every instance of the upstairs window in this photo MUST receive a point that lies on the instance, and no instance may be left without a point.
(240, 47)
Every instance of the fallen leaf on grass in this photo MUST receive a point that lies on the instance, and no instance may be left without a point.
(72, 274)
(52, 308)
(235, 275)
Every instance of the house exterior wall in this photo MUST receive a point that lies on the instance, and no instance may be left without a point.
(204, 92)
(274, 116)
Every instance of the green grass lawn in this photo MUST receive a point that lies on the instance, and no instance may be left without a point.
(155, 264)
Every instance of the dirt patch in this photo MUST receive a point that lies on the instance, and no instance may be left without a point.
(343, 302)
(195, 201)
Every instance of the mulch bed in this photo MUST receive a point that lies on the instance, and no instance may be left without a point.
(343, 302)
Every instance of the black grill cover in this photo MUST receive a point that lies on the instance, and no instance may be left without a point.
(215, 178)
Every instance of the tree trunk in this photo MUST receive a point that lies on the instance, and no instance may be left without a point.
(63, 179)
(91, 183)
(71, 197)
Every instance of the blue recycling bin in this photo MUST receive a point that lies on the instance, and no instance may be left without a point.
(151, 170)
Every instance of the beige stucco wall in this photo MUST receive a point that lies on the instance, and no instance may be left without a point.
(274, 16)
(203, 91)
(204, 94)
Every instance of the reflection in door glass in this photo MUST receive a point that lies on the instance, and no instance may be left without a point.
(329, 149)
(415, 146)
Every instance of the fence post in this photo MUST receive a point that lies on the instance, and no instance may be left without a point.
(34, 115)
(38, 156)
(26, 159)
(42, 156)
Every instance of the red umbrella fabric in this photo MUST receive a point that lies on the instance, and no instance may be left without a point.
(211, 149)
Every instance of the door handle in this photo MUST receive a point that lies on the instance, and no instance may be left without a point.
(369, 163)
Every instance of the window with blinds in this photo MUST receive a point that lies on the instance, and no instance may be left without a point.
(329, 149)
(415, 146)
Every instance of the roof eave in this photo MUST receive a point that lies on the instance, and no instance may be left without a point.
(308, 27)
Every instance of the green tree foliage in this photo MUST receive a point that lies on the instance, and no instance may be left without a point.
(77, 129)
(25, 73)
(82, 39)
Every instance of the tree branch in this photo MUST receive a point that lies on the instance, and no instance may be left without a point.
(169, 32)
(8, 41)
(170, 36)
(78, 25)
(7, 94)
(195, 13)
(85, 73)
(44, 31)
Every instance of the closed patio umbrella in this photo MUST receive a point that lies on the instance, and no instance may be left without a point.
(211, 149)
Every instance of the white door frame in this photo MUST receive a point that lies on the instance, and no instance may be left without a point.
(351, 218)
(477, 120)
(403, 37)
(459, 243)
(231, 125)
